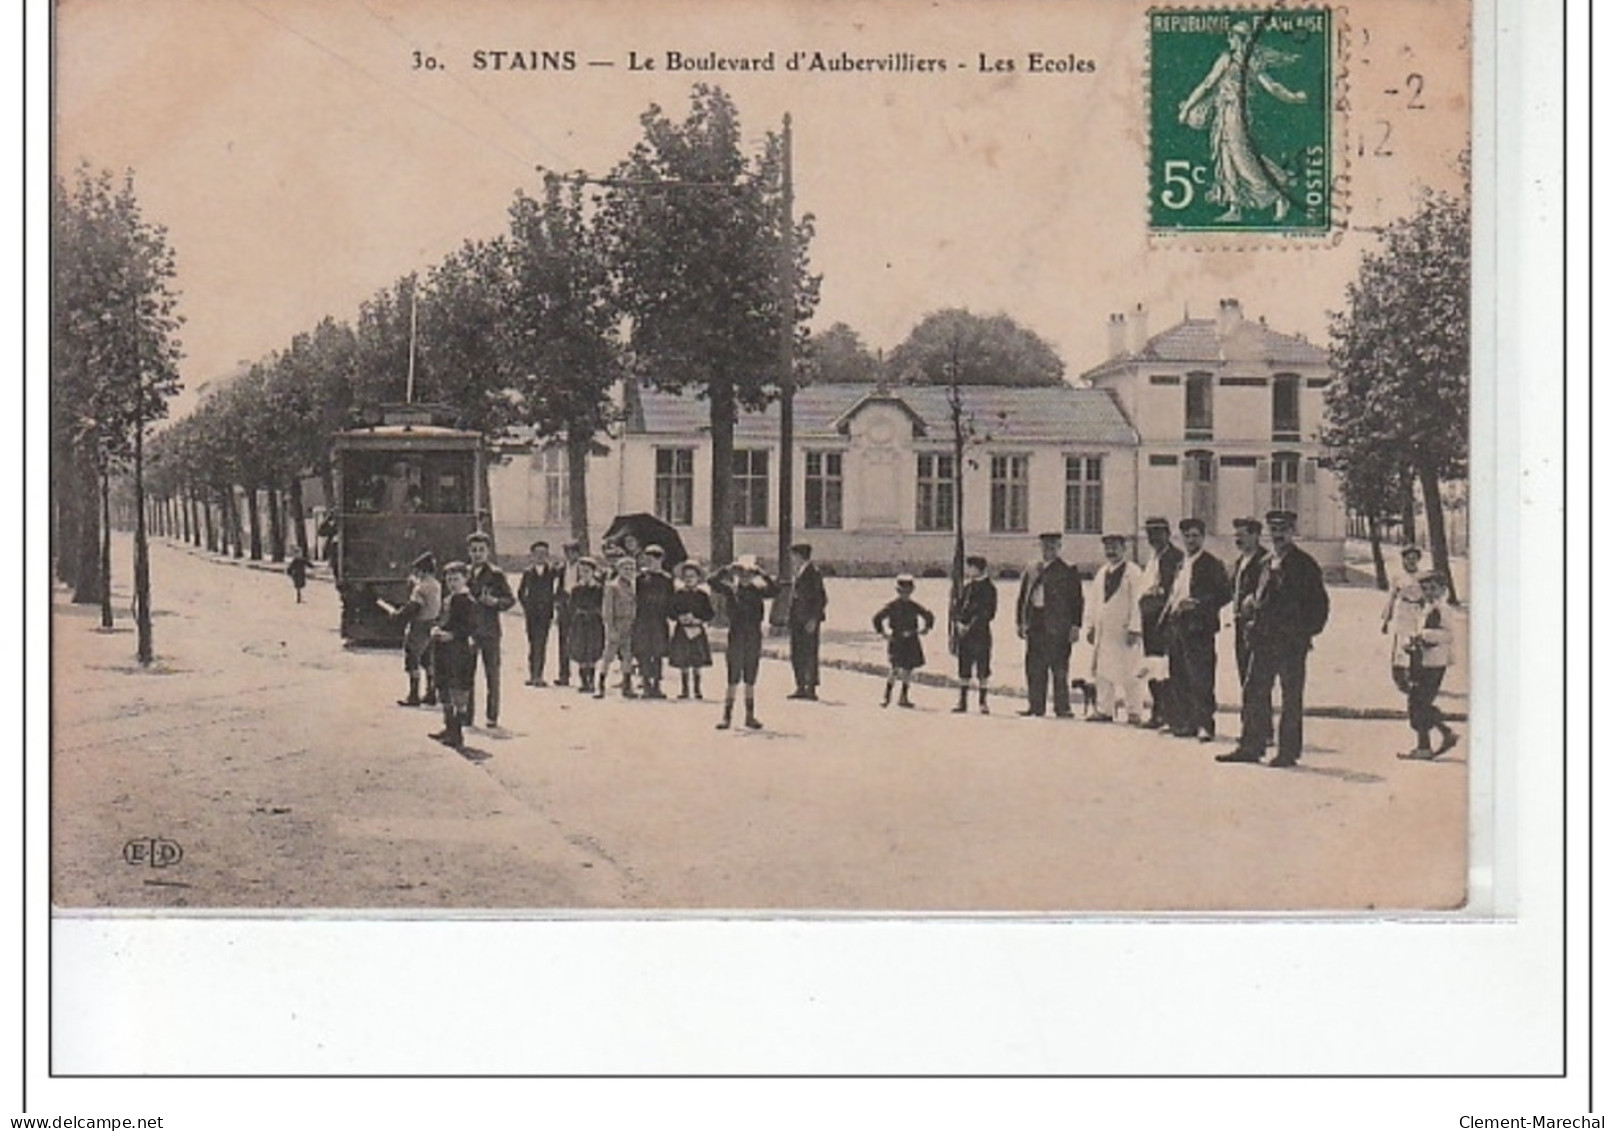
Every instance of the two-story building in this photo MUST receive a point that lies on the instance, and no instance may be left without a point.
(1228, 414)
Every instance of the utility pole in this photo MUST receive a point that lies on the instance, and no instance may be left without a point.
(787, 379)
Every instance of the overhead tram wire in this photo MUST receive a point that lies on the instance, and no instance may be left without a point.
(391, 88)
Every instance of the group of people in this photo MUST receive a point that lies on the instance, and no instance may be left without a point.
(1152, 631)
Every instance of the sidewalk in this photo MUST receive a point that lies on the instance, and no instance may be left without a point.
(1348, 671)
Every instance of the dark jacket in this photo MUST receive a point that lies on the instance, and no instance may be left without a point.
(1061, 585)
(489, 580)
(978, 605)
(452, 657)
(1291, 606)
(808, 598)
(747, 603)
(1243, 579)
(539, 586)
(1210, 591)
(653, 597)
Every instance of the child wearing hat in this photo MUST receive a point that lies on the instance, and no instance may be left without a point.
(418, 614)
(297, 569)
(973, 631)
(653, 593)
(453, 653)
(902, 621)
(586, 635)
(746, 588)
(691, 611)
(1429, 650)
(617, 610)
(1401, 616)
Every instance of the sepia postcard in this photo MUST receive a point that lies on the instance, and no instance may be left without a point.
(783, 457)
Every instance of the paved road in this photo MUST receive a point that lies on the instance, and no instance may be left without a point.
(277, 760)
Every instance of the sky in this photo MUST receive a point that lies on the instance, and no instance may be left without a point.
(301, 159)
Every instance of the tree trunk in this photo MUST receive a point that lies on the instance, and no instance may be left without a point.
(255, 530)
(1436, 520)
(183, 501)
(294, 504)
(232, 522)
(577, 485)
(277, 527)
(209, 528)
(106, 548)
(485, 497)
(1410, 528)
(722, 395)
(1382, 580)
(143, 651)
(64, 512)
(87, 570)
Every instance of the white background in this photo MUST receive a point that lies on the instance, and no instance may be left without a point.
(697, 996)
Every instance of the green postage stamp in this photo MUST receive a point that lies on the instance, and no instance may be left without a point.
(1239, 120)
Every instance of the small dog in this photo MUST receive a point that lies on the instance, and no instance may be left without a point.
(1090, 696)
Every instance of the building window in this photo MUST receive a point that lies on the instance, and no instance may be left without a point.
(823, 490)
(1200, 487)
(933, 495)
(1009, 493)
(1197, 406)
(675, 485)
(1084, 495)
(751, 487)
(1286, 407)
(552, 472)
(1286, 482)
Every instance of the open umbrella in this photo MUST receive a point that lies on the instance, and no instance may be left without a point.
(648, 530)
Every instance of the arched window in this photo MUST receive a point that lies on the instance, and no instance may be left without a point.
(1286, 406)
(1197, 406)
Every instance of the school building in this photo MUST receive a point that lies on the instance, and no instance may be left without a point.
(1216, 418)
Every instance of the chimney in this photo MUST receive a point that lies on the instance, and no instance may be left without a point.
(1117, 328)
(1229, 317)
(1138, 329)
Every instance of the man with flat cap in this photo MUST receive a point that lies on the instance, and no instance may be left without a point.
(1048, 616)
(803, 617)
(1247, 572)
(1159, 573)
(1290, 607)
(1193, 616)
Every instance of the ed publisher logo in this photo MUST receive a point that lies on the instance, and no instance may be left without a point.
(153, 851)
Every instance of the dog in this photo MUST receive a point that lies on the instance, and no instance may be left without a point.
(1090, 696)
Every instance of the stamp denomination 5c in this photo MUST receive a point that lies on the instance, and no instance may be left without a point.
(1239, 120)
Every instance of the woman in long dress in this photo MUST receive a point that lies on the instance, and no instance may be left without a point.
(1241, 177)
(1115, 628)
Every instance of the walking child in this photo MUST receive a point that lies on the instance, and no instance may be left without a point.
(973, 632)
(747, 590)
(586, 635)
(1400, 620)
(454, 653)
(902, 621)
(691, 612)
(297, 569)
(617, 610)
(1429, 651)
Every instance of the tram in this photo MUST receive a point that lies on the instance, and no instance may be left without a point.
(407, 483)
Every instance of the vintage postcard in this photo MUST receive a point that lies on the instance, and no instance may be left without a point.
(767, 458)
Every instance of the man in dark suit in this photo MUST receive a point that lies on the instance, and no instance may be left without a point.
(806, 613)
(1048, 616)
(1246, 573)
(1159, 574)
(572, 553)
(490, 589)
(540, 584)
(1290, 607)
(1193, 615)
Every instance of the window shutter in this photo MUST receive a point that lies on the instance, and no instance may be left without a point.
(1187, 502)
(1263, 496)
(1309, 498)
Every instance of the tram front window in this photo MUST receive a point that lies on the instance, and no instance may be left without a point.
(418, 483)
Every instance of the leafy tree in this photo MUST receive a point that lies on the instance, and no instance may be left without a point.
(115, 362)
(838, 356)
(989, 351)
(562, 347)
(1400, 360)
(694, 229)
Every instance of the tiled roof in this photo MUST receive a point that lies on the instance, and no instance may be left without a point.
(1046, 414)
(1196, 339)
